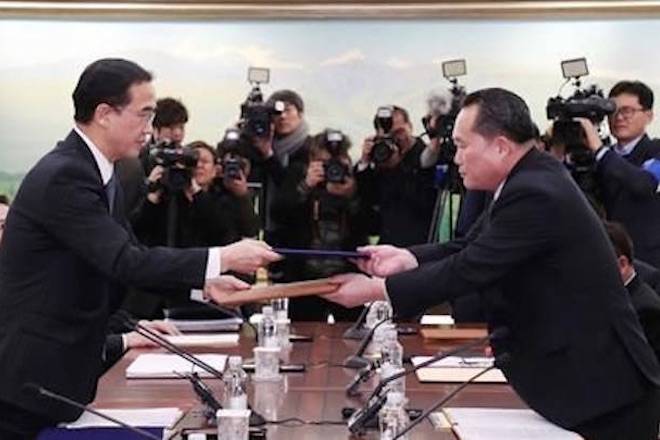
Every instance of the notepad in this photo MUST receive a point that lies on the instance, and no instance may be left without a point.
(140, 417)
(437, 320)
(455, 369)
(204, 340)
(206, 325)
(165, 366)
(499, 423)
(453, 333)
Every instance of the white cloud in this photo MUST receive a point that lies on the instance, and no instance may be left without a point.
(398, 63)
(347, 57)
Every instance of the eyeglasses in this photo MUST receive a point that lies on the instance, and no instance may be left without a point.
(146, 116)
(627, 112)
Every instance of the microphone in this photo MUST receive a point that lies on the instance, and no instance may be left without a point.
(499, 361)
(256, 419)
(358, 330)
(357, 360)
(363, 375)
(375, 401)
(204, 394)
(41, 391)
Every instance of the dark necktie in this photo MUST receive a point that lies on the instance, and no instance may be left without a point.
(111, 192)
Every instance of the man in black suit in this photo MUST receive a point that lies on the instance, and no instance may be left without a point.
(629, 172)
(68, 251)
(540, 256)
(644, 299)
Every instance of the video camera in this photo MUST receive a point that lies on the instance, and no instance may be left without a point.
(229, 154)
(257, 116)
(178, 162)
(336, 171)
(445, 113)
(384, 144)
(589, 103)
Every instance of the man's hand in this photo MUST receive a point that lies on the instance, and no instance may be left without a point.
(356, 289)
(265, 145)
(386, 260)
(154, 177)
(591, 133)
(367, 146)
(237, 187)
(221, 288)
(136, 340)
(315, 174)
(246, 256)
(342, 189)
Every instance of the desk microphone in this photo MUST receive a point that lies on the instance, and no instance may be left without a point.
(361, 377)
(41, 391)
(499, 361)
(358, 330)
(256, 419)
(361, 417)
(357, 360)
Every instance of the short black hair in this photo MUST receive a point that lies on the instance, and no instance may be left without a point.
(403, 112)
(289, 97)
(637, 88)
(106, 81)
(501, 112)
(196, 145)
(169, 112)
(620, 239)
(319, 143)
(4, 199)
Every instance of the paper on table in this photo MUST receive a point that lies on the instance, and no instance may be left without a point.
(437, 320)
(206, 325)
(139, 417)
(510, 424)
(455, 369)
(204, 340)
(165, 365)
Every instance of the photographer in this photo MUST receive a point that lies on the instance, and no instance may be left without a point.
(207, 211)
(628, 173)
(169, 124)
(398, 194)
(318, 208)
(286, 143)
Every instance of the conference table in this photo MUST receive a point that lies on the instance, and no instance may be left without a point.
(318, 394)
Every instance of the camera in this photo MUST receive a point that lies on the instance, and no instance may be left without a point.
(384, 144)
(335, 170)
(589, 103)
(229, 153)
(445, 111)
(257, 116)
(178, 162)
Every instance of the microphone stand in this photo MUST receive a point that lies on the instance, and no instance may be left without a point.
(37, 389)
(357, 360)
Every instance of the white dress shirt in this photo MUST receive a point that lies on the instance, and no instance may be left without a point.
(107, 169)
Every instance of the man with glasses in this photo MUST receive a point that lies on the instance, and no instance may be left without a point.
(68, 252)
(629, 171)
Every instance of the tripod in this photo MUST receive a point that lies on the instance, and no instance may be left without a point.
(448, 183)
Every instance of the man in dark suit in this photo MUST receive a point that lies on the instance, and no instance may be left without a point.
(629, 172)
(68, 251)
(644, 299)
(540, 256)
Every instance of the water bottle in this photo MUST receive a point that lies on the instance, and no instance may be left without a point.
(393, 417)
(268, 328)
(378, 311)
(378, 338)
(391, 351)
(235, 380)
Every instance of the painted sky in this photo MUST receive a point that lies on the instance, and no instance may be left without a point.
(343, 69)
